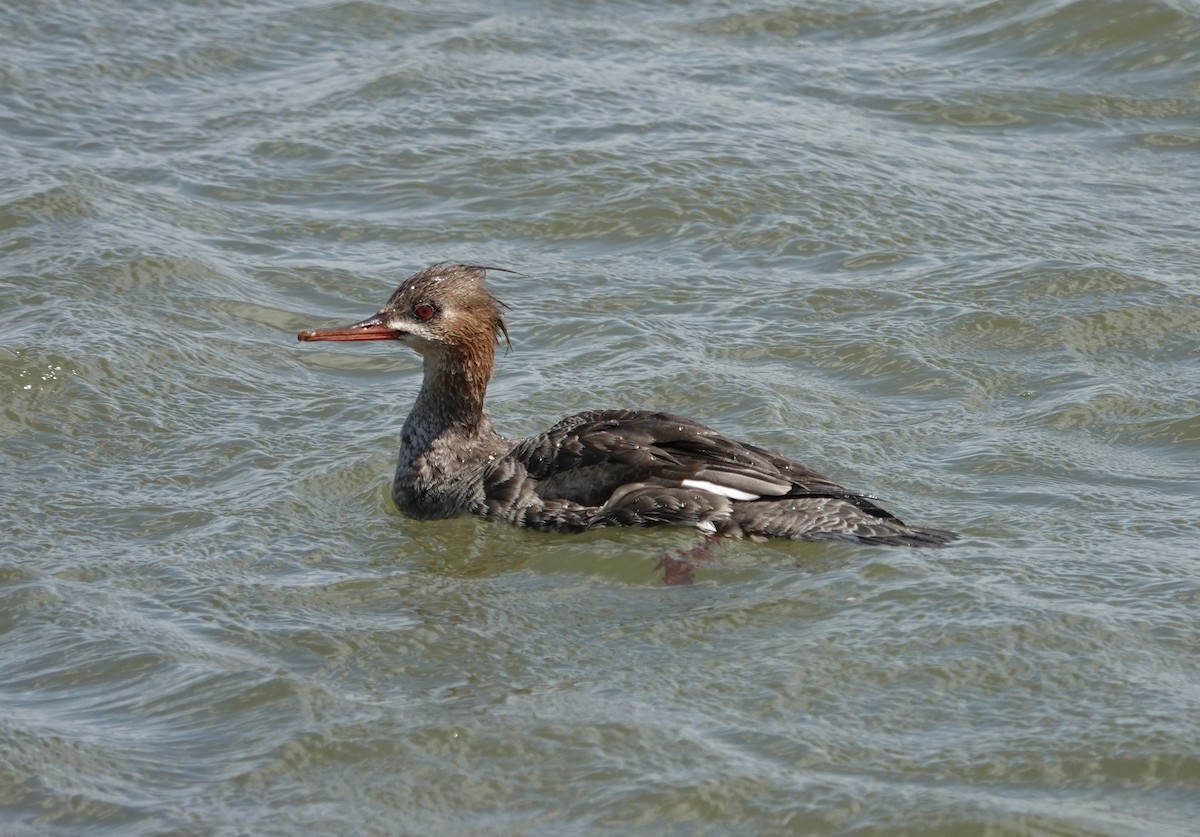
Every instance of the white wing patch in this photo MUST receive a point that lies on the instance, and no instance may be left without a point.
(723, 490)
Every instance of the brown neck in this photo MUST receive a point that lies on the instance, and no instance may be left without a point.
(452, 393)
(448, 438)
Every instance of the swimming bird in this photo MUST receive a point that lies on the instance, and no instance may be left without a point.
(592, 469)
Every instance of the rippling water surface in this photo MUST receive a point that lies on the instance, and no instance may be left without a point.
(946, 253)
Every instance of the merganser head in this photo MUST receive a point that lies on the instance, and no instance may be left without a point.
(443, 307)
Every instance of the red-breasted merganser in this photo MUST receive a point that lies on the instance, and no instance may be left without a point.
(598, 468)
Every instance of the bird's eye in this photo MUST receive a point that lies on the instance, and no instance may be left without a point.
(423, 311)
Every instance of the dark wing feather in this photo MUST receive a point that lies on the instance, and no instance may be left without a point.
(587, 457)
(626, 468)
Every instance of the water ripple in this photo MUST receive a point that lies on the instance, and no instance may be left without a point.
(944, 254)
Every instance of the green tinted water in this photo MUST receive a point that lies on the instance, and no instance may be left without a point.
(946, 255)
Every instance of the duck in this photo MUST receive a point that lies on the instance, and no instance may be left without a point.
(598, 468)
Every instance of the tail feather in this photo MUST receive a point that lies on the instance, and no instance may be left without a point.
(917, 536)
(830, 518)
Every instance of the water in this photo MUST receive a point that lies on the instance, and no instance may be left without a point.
(944, 253)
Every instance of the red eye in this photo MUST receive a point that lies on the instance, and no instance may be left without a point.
(423, 311)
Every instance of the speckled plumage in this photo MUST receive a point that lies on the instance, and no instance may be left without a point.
(597, 468)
